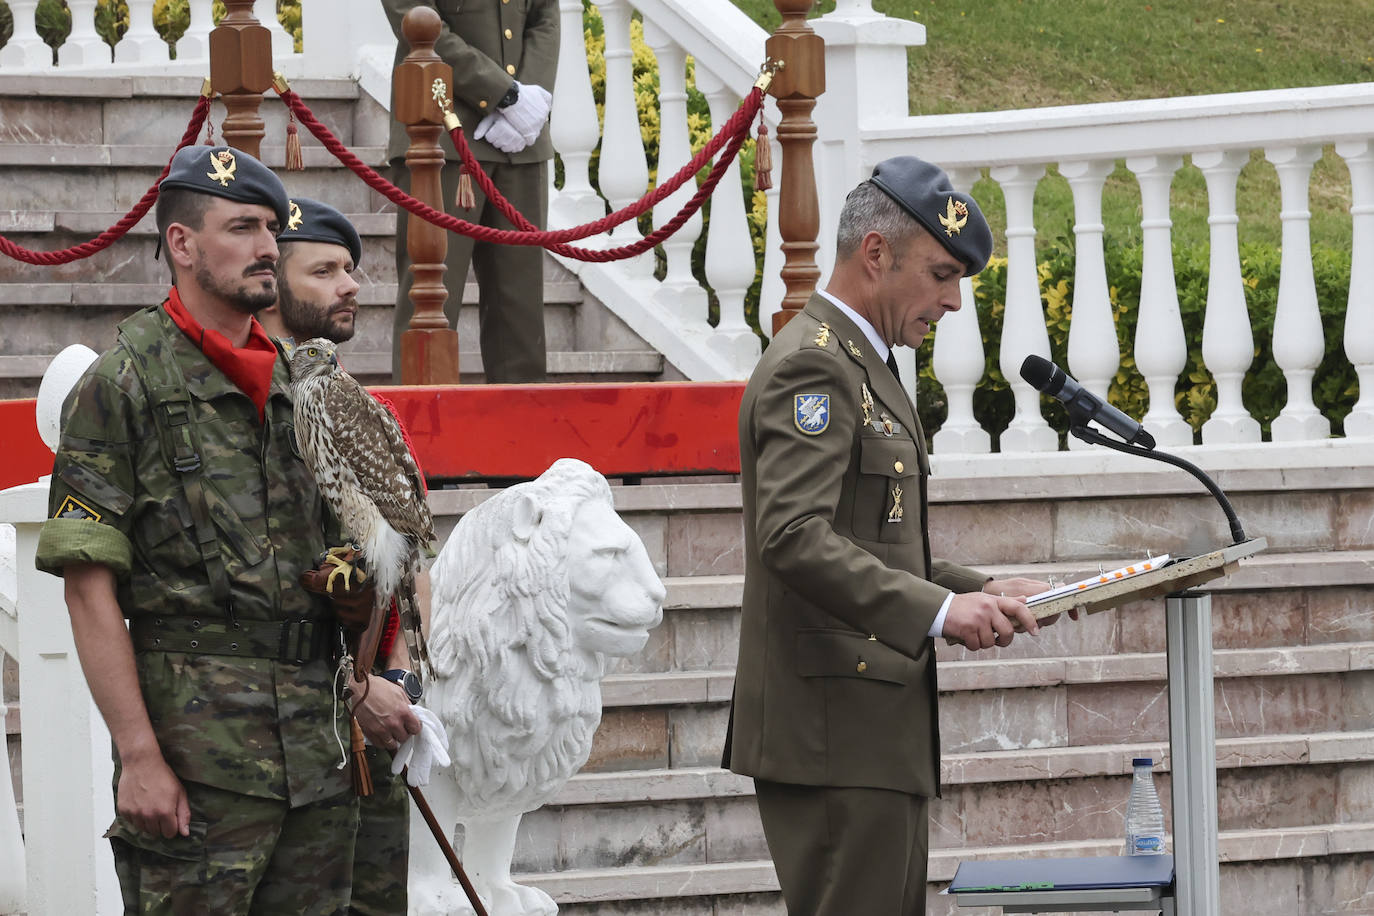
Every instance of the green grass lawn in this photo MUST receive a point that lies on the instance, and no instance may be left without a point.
(986, 55)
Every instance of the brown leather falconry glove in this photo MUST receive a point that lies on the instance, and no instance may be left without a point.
(341, 576)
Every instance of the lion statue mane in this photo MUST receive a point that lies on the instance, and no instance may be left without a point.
(534, 589)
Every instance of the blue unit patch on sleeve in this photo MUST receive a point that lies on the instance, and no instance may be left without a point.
(811, 413)
(74, 508)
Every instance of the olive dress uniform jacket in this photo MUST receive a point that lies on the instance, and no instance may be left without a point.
(835, 684)
(240, 722)
(488, 43)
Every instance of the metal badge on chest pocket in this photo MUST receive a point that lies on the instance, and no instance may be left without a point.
(887, 492)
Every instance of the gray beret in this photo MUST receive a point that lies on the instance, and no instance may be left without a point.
(925, 191)
(226, 172)
(311, 221)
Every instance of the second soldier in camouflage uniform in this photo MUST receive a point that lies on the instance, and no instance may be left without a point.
(179, 502)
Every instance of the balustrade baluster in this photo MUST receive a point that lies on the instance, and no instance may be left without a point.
(84, 47)
(141, 44)
(679, 292)
(1094, 353)
(1298, 341)
(959, 361)
(1228, 345)
(772, 289)
(194, 43)
(623, 172)
(573, 126)
(1023, 326)
(25, 50)
(13, 886)
(730, 264)
(282, 43)
(1161, 349)
(1359, 309)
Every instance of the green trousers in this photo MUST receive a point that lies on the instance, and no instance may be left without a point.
(381, 859)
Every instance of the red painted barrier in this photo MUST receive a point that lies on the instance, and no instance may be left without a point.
(504, 431)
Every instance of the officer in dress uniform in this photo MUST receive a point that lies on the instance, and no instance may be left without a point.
(179, 501)
(834, 713)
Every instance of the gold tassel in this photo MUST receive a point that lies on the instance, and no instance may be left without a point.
(466, 198)
(362, 775)
(763, 159)
(295, 162)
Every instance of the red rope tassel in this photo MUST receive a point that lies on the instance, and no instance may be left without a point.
(295, 161)
(466, 200)
(763, 158)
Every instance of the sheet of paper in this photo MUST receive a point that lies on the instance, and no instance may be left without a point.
(1115, 575)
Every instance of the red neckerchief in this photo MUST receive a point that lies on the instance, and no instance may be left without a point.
(249, 367)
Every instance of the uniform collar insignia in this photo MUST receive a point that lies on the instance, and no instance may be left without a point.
(224, 167)
(954, 217)
(854, 349)
(822, 335)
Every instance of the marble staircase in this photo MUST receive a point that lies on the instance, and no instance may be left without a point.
(75, 154)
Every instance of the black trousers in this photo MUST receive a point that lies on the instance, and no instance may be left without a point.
(844, 851)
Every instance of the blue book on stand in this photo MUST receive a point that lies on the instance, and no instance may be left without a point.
(1063, 874)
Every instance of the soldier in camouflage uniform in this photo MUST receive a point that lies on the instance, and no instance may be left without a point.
(179, 501)
(316, 291)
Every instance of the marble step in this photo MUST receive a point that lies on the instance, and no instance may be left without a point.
(1261, 875)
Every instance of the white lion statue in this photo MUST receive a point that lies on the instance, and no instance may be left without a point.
(531, 592)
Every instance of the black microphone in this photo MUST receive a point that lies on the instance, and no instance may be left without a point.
(1083, 405)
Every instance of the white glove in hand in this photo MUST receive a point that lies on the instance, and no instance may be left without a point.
(530, 111)
(421, 752)
(497, 131)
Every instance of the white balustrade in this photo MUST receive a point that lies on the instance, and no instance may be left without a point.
(1359, 309)
(1023, 322)
(771, 288)
(1298, 341)
(25, 50)
(1094, 355)
(573, 125)
(679, 292)
(959, 361)
(84, 47)
(194, 43)
(13, 878)
(141, 44)
(623, 171)
(1161, 349)
(730, 264)
(266, 13)
(1228, 345)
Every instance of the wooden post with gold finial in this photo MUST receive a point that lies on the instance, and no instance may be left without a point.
(429, 347)
(796, 86)
(241, 71)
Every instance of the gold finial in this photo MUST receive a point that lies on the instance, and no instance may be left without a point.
(206, 89)
(439, 90)
(279, 83)
(769, 70)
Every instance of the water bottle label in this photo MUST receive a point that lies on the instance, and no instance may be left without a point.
(1148, 844)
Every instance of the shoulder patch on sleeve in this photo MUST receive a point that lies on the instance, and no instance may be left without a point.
(74, 508)
(811, 413)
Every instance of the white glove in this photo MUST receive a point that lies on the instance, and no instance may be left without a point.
(530, 111)
(500, 134)
(421, 752)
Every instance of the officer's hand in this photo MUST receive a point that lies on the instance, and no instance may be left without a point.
(981, 621)
(421, 752)
(385, 714)
(497, 131)
(1022, 587)
(151, 798)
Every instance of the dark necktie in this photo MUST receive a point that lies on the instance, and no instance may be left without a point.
(892, 364)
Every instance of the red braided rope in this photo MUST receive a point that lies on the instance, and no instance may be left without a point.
(548, 240)
(118, 230)
(739, 121)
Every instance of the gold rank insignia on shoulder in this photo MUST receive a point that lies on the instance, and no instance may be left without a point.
(822, 335)
(866, 402)
(895, 513)
(954, 217)
(294, 221)
(854, 348)
(811, 413)
(74, 508)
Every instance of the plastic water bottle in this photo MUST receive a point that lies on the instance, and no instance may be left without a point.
(1144, 816)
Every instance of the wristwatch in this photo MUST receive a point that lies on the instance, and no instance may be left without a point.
(511, 97)
(408, 681)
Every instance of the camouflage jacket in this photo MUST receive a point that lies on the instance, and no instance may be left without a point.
(254, 725)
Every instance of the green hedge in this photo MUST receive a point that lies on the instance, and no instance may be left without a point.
(1264, 390)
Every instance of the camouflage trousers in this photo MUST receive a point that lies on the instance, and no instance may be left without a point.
(381, 858)
(244, 856)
